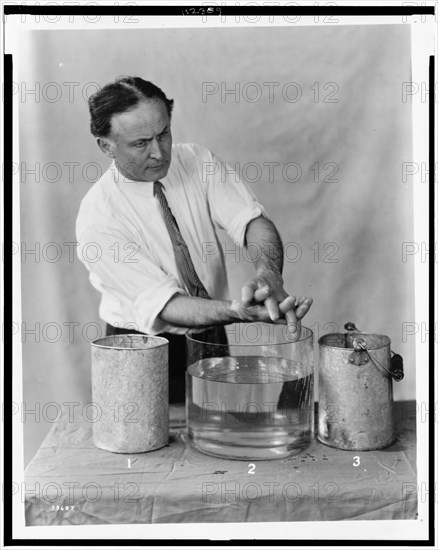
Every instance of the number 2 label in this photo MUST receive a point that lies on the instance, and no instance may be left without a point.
(251, 468)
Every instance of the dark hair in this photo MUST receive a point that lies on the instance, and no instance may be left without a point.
(118, 97)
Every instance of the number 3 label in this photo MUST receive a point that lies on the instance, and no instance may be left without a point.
(357, 461)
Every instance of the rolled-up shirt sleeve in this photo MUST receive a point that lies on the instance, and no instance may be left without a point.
(122, 269)
(232, 203)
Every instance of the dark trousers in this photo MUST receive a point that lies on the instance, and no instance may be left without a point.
(177, 357)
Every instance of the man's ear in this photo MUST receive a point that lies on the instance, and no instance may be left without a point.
(106, 146)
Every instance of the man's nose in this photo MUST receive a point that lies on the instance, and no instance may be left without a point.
(155, 150)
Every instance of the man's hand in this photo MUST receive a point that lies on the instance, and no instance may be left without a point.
(253, 310)
(267, 286)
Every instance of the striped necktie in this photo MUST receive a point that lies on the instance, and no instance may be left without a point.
(182, 254)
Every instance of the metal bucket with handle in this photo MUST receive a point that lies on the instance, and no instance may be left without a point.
(356, 371)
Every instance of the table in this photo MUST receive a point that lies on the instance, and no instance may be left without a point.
(70, 482)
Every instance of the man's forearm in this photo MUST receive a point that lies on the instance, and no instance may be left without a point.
(191, 312)
(266, 251)
(264, 245)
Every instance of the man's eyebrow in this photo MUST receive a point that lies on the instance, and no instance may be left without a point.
(149, 138)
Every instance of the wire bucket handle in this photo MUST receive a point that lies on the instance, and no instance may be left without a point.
(359, 358)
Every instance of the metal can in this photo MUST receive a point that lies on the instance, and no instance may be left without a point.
(130, 388)
(355, 409)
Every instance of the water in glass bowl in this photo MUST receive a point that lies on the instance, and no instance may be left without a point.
(249, 407)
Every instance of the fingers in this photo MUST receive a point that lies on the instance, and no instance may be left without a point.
(291, 319)
(248, 291)
(287, 304)
(288, 309)
(303, 306)
(294, 315)
(262, 293)
(272, 306)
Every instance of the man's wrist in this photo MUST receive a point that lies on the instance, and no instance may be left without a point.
(265, 270)
(232, 311)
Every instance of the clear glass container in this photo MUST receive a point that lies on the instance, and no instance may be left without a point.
(252, 397)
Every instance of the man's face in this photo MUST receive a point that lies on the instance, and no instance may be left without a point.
(141, 141)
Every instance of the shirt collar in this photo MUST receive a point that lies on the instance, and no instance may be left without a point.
(145, 188)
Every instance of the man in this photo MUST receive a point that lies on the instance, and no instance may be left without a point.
(152, 217)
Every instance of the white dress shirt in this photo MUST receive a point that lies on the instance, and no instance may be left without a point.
(125, 244)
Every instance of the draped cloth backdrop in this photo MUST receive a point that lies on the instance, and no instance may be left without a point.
(312, 117)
